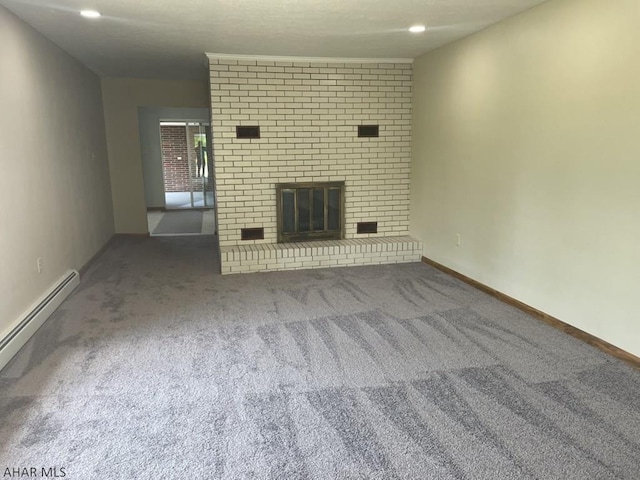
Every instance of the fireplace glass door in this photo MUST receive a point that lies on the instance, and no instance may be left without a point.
(310, 211)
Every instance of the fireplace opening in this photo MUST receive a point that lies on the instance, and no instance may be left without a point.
(310, 211)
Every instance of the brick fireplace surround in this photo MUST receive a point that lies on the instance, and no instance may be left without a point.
(308, 112)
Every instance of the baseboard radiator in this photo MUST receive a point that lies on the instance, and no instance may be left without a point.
(18, 334)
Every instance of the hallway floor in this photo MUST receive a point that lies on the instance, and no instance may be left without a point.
(208, 223)
(183, 200)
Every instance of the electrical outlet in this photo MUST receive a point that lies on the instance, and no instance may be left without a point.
(39, 265)
(458, 239)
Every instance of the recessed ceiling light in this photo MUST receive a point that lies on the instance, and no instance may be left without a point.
(90, 13)
(417, 29)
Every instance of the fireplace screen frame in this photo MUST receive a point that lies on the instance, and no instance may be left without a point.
(311, 235)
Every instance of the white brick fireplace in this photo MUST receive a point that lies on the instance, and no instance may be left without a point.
(308, 112)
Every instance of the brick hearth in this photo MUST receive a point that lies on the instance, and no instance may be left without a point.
(328, 253)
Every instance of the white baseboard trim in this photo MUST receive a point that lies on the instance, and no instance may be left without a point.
(14, 338)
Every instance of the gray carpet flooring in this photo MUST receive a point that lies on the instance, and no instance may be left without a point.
(157, 368)
(186, 221)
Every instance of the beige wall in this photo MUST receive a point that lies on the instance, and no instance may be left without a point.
(527, 143)
(122, 97)
(55, 198)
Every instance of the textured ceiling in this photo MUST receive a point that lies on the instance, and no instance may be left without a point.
(167, 39)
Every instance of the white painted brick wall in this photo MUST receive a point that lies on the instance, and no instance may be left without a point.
(308, 115)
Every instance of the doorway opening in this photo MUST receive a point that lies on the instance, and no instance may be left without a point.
(187, 165)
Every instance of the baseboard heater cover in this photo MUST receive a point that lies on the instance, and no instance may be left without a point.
(34, 318)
